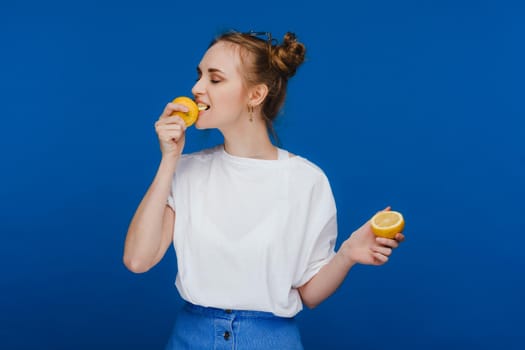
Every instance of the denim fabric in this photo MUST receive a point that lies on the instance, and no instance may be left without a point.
(198, 327)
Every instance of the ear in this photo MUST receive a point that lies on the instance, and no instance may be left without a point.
(257, 94)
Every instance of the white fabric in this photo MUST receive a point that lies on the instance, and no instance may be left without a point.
(248, 232)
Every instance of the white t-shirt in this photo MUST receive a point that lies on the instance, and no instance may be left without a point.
(248, 232)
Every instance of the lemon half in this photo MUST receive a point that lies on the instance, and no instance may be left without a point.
(387, 223)
(189, 117)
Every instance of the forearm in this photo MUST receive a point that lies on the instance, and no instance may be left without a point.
(144, 235)
(327, 280)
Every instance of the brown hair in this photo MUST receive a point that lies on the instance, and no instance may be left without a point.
(269, 63)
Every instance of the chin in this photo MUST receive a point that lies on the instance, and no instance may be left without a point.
(199, 125)
(202, 125)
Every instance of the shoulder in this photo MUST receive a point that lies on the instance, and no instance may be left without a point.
(310, 183)
(308, 176)
(191, 162)
(202, 155)
(307, 168)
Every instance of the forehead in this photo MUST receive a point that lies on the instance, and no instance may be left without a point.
(223, 56)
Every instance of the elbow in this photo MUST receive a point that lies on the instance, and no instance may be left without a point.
(309, 300)
(311, 304)
(135, 265)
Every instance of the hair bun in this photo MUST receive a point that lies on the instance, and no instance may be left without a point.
(288, 56)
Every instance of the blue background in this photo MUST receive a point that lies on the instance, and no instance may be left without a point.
(413, 104)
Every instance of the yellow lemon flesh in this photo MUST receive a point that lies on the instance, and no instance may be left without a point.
(189, 117)
(387, 223)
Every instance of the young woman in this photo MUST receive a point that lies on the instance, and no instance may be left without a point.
(254, 227)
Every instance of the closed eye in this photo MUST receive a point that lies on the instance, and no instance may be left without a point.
(213, 72)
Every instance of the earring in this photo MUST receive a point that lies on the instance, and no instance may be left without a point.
(250, 110)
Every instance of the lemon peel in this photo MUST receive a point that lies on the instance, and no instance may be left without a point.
(189, 117)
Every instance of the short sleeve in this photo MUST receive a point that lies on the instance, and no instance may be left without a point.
(171, 197)
(320, 234)
(178, 176)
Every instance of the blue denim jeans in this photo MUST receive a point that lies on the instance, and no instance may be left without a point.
(198, 327)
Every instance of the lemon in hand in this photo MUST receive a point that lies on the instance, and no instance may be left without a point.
(387, 223)
(189, 117)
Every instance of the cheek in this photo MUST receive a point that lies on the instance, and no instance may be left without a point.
(233, 94)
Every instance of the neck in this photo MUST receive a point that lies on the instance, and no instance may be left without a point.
(249, 140)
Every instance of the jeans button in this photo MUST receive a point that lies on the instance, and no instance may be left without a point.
(228, 311)
(226, 335)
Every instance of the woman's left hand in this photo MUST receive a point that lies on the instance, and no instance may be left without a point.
(364, 247)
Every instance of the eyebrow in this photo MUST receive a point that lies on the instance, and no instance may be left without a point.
(210, 70)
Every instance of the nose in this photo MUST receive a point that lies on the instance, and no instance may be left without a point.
(198, 88)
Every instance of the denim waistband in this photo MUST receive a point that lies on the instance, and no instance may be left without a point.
(228, 313)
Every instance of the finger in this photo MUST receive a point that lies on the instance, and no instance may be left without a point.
(171, 135)
(173, 107)
(171, 120)
(170, 141)
(170, 138)
(170, 127)
(169, 130)
(380, 258)
(179, 121)
(392, 243)
(382, 250)
(399, 237)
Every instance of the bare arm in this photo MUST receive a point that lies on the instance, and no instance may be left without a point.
(326, 281)
(362, 247)
(151, 229)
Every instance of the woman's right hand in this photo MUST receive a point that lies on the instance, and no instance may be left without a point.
(171, 130)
